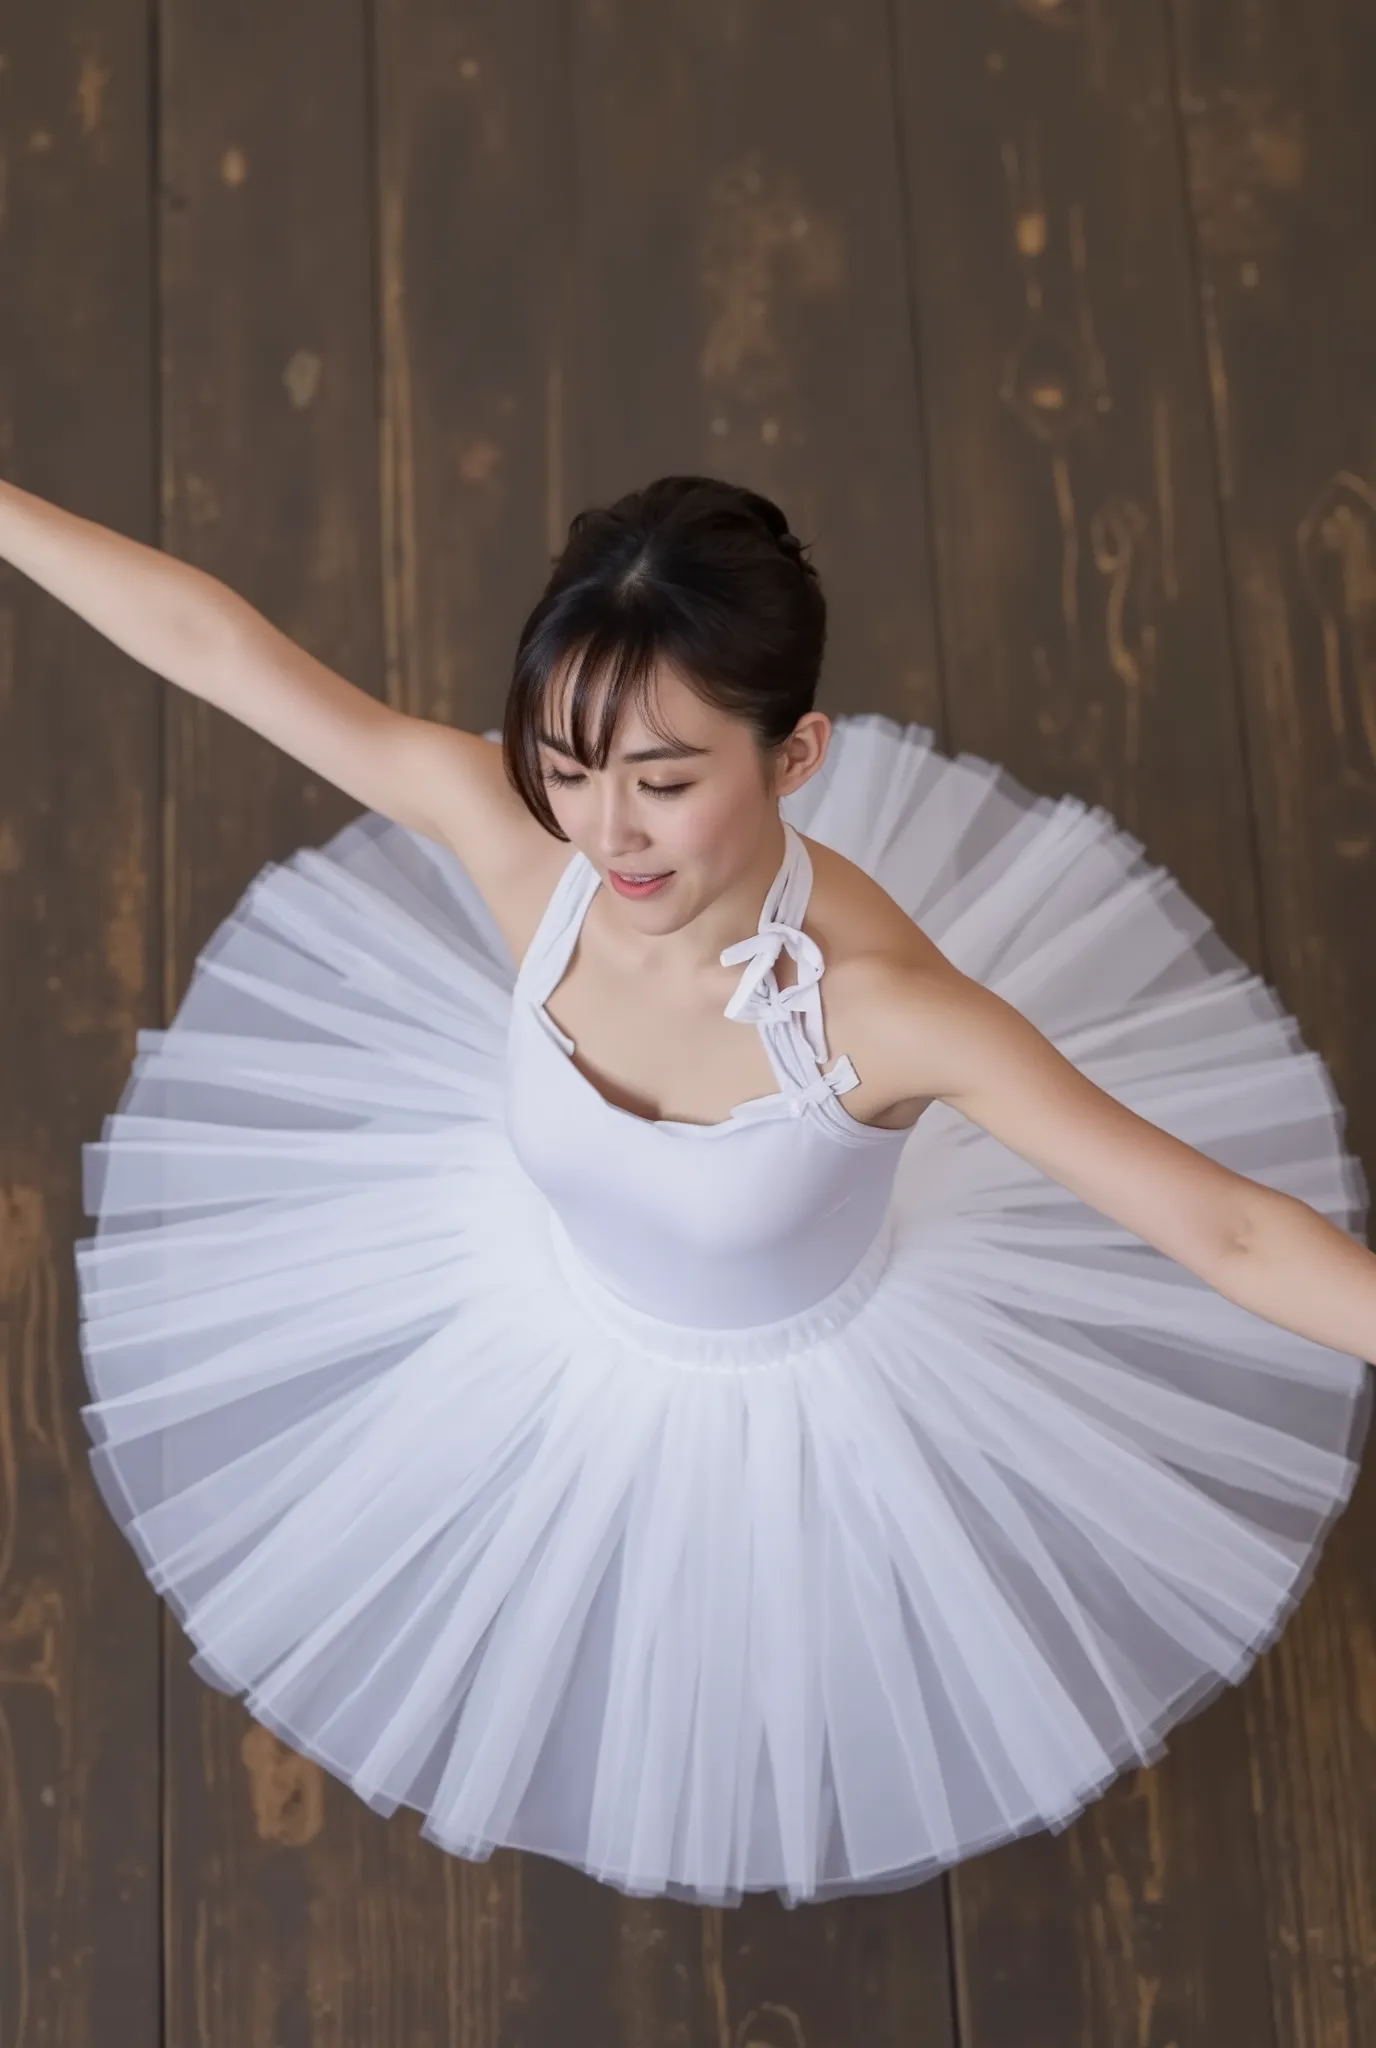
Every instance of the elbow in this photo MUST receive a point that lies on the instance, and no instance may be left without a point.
(1246, 1228)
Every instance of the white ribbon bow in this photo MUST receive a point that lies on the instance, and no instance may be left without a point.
(753, 1003)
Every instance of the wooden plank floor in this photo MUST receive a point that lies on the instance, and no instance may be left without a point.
(1053, 324)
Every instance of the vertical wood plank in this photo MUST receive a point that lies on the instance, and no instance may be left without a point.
(472, 215)
(739, 302)
(79, 1850)
(295, 1913)
(1086, 643)
(1276, 107)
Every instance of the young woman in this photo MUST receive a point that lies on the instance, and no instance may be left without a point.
(709, 1291)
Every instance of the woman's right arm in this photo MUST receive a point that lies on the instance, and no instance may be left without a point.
(196, 632)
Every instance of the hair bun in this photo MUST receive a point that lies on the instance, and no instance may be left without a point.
(793, 548)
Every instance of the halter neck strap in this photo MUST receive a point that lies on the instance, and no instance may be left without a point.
(757, 998)
(789, 1019)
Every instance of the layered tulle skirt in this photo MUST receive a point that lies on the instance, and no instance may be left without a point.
(821, 1607)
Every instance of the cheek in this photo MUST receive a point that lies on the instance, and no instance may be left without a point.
(698, 822)
(713, 829)
(563, 813)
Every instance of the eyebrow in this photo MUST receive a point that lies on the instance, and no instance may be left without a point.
(675, 750)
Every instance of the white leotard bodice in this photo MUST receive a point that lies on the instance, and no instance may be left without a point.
(720, 1225)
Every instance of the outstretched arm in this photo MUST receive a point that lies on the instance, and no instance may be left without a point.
(947, 1036)
(196, 632)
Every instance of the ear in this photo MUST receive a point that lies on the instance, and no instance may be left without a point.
(802, 753)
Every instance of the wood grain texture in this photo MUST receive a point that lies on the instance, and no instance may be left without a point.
(79, 1850)
(472, 213)
(1276, 113)
(738, 300)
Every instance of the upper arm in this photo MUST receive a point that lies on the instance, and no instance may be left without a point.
(439, 780)
(960, 1042)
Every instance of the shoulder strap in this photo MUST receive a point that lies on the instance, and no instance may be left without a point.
(547, 955)
(757, 997)
(789, 1019)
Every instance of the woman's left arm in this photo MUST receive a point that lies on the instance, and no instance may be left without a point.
(1296, 1268)
(940, 1033)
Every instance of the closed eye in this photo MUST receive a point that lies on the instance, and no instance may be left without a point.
(562, 781)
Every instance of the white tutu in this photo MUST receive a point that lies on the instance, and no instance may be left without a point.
(819, 1607)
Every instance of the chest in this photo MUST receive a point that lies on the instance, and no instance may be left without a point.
(659, 1053)
(667, 1053)
(732, 1222)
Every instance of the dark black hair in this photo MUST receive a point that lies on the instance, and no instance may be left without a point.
(701, 575)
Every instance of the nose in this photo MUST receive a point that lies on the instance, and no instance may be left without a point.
(618, 830)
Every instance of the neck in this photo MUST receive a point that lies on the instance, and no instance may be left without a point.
(694, 949)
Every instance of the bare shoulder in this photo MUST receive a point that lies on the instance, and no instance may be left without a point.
(892, 999)
(463, 800)
(917, 1026)
(862, 932)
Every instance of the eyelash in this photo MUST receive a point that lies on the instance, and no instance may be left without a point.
(562, 781)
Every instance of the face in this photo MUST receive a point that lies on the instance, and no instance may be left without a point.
(701, 811)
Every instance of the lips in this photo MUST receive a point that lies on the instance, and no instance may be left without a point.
(624, 886)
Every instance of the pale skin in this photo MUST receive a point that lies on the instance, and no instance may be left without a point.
(643, 995)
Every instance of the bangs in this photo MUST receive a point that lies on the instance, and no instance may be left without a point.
(620, 672)
(573, 698)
